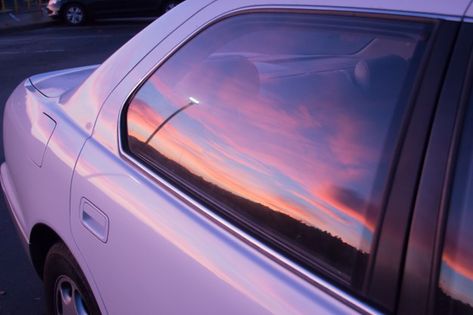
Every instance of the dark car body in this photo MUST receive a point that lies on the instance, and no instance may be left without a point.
(110, 8)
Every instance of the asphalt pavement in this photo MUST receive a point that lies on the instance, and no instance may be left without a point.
(22, 54)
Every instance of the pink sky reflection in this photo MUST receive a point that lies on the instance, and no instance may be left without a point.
(314, 167)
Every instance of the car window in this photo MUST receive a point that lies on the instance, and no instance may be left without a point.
(287, 125)
(455, 287)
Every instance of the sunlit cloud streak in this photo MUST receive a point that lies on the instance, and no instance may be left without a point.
(254, 148)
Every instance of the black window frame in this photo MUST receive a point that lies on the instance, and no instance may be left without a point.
(380, 286)
(420, 281)
(388, 266)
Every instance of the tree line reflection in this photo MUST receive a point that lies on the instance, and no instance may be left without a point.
(309, 241)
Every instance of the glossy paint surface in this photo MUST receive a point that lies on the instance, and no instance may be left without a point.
(163, 252)
(39, 193)
(182, 255)
(56, 83)
(84, 104)
(469, 12)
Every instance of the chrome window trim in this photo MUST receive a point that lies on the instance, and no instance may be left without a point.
(349, 10)
(272, 254)
(319, 282)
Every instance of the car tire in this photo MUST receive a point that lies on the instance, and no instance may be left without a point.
(67, 290)
(169, 5)
(74, 14)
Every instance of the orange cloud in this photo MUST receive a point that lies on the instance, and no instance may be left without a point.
(464, 268)
(356, 210)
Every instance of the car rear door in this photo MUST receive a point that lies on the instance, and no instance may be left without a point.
(176, 234)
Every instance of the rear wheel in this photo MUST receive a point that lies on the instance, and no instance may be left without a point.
(74, 14)
(67, 291)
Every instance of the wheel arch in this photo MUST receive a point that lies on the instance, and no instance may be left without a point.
(42, 238)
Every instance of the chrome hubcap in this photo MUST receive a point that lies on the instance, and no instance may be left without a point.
(74, 15)
(69, 300)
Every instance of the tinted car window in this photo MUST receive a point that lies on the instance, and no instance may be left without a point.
(286, 124)
(455, 290)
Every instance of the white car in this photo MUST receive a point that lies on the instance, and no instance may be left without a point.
(255, 157)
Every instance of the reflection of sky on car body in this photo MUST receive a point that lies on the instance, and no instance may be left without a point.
(242, 272)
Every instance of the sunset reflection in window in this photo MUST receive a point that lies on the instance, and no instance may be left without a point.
(294, 129)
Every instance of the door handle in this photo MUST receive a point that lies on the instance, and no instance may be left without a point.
(94, 220)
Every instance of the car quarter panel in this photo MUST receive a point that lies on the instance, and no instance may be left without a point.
(85, 103)
(36, 129)
(31, 122)
(55, 83)
(157, 210)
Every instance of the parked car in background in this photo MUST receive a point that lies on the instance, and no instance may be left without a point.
(77, 12)
(255, 157)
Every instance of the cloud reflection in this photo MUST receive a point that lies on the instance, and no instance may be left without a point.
(282, 125)
(308, 164)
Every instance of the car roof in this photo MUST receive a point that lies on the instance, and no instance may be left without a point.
(452, 8)
(103, 81)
